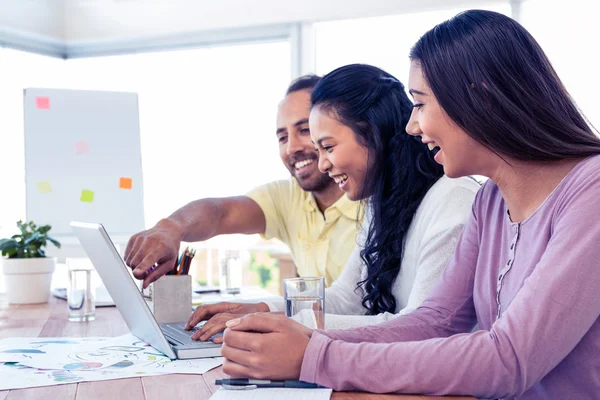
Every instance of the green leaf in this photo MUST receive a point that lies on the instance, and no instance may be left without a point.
(44, 229)
(54, 242)
(8, 244)
(35, 236)
(9, 253)
(22, 227)
(30, 243)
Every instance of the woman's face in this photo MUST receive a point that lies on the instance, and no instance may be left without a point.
(340, 154)
(458, 152)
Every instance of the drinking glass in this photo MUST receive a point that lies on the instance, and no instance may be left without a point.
(230, 272)
(81, 301)
(305, 294)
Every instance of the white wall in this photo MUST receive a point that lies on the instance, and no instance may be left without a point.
(94, 20)
(569, 35)
(33, 17)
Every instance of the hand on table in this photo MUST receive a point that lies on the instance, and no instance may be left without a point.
(217, 315)
(153, 253)
(264, 346)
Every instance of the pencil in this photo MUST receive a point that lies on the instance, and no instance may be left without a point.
(179, 266)
(188, 262)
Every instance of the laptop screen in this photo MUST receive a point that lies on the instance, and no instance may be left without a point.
(121, 285)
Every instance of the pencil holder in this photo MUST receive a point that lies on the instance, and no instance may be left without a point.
(171, 298)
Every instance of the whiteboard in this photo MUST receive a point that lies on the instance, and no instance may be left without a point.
(83, 159)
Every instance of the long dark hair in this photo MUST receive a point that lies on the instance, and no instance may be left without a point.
(401, 169)
(494, 80)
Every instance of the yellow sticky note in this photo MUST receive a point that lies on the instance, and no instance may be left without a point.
(44, 187)
(87, 196)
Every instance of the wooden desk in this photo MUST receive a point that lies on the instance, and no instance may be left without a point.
(50, 320)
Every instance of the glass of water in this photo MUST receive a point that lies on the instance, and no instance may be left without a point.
(230, 272)
(305, 294)
(81, 301)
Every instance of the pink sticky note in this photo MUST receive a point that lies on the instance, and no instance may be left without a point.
(42, 103)
(82, 147)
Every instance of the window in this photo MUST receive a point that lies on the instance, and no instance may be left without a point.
(20, 70)
(207, 121)
(381, 41)
(207, 118)
(568, 32)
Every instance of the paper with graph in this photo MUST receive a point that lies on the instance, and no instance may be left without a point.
(50, 361)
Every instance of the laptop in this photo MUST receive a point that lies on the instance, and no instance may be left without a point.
(171, 339)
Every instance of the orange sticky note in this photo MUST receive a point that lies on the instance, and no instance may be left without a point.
(82, 147)
(125, 183)
(43, 103)
(44, 187)
(87, 196)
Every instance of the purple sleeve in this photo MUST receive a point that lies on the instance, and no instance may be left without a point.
(557, 305)
(447, 311)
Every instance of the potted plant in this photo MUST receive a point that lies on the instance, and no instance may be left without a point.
(27, 270)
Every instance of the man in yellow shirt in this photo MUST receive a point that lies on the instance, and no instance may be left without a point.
(308, 212)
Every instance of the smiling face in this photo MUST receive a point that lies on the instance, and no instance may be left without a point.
(295, 148)
(340, 154)
(458, 152)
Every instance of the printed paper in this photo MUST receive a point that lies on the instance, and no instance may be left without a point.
(50, 361)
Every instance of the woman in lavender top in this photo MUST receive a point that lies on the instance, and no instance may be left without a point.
(527, 265)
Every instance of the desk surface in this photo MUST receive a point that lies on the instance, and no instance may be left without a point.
(50, 320)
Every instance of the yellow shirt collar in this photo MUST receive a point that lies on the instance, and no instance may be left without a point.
(344, 205)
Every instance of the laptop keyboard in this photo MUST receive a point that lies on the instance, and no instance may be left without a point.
(178, 333)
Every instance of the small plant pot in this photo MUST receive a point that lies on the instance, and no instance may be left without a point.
(27, 280)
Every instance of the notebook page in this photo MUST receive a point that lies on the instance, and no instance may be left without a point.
(272, 393)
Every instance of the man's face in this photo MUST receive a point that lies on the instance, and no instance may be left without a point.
(295, 147)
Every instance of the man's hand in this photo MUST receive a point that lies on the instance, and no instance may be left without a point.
(264, 346)
(152, 253)
(217, 315)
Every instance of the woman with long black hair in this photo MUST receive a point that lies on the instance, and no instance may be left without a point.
(414, 214)
(526, 268)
